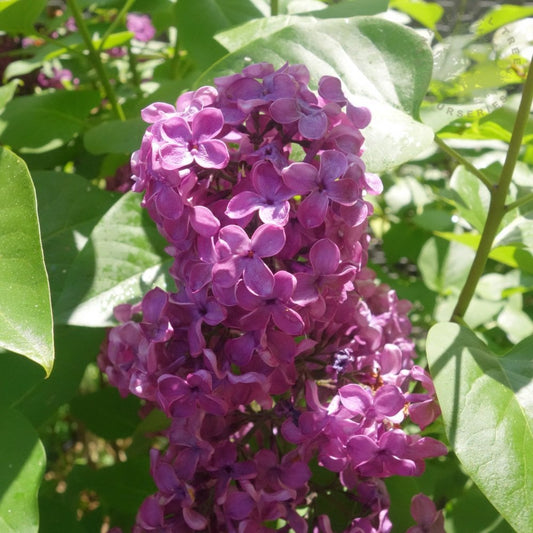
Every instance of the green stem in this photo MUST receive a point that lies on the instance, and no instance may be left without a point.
(96, 60)
(114, 24)
(274, 8)
(175, 65)
(497, 208)
(520, 202)
(469, 166)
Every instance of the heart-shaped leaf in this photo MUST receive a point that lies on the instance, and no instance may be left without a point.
(25, 310)
(487, 405)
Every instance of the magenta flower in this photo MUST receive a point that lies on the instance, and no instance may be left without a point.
(182, 397)
(324, 258)
(323, 185)
(270, 196)
(272, 305)
(141, 26)
(246, 257)
(427, 518)
(182, 144)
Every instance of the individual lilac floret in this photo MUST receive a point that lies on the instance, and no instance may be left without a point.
(183, 144)
(246, 257)
(427, 518)
(323, 185)
(270, 196)
(141, 26)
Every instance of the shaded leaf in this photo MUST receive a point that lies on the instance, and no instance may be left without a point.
(21, 470)
(75, 348)
(369, 55)
(107, 414)
(63, 112)
(123, 258)
(25, 310)
(215, 16)
(115, 136)
(487, 405)
(19, 16)
(69, 208)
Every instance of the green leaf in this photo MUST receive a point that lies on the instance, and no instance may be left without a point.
(39, 399)
(25, 309)
(500, 16)
(444, 266)
(370, 56)
(487, 405)
(352, 8)
(21, 470)
(518, 233)
(63, 113)
(107, 414)
(123, 258)
(115, 136)
(427, 13)
(472, 197)
(7, 92)
(215, 16)
(19, 16)
(69, 208)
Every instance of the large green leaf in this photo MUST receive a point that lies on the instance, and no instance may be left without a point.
(69, 208)
(21, 469)
(123, 258)
(38, 123)
(383, 66)
(25, 311)
(19, 16)
(487, 405)
(427, 13)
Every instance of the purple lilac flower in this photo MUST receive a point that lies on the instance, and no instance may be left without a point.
(141, 26)
(278, 348)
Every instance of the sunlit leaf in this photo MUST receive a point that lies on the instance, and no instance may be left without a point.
(368, 55)
(427, 13)
(487, 405)
(25, 310)
(499, 16)
(444, 266)
(21, 470)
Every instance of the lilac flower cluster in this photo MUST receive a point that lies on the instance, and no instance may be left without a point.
(278, 348)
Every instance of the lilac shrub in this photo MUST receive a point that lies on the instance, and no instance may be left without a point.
(278, 349)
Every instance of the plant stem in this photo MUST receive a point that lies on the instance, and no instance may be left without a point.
(274, 8)
(518, 203)
(113, 25)
(95, 59)
(469, 166)
(497, 208)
